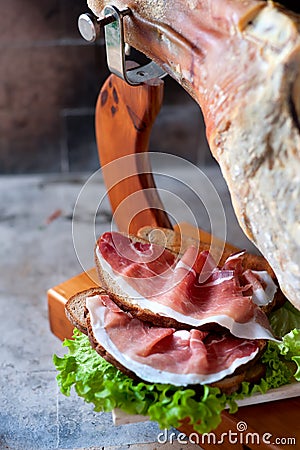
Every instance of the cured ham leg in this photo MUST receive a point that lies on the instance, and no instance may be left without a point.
(240, 60)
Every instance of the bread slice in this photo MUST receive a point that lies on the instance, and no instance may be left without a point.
(79, 317)
(175, 242)
(75, 308)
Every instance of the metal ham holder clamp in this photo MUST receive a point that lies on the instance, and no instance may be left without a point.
(128, 104)
(112, 22)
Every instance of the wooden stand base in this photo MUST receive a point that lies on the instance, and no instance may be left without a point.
(58, 296)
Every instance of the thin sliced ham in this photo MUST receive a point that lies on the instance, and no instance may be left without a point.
(156, 280)
(262, 285)
(166, 355)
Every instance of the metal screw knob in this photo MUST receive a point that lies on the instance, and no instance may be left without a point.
(90, 26)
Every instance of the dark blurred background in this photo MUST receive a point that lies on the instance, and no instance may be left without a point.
(49, 82)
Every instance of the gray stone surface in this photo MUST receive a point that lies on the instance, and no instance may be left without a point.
(36, 255)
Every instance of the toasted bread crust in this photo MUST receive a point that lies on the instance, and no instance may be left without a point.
(75, 308)
(251, 373)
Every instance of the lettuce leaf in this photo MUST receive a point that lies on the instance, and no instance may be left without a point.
(285, 319)
(290, 348)
(100, 383)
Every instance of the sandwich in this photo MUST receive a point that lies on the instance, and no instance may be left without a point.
(172, 335)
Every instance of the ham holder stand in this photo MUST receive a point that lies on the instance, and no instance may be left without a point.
(127, 106)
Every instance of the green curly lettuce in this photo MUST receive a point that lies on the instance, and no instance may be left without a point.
(285, 319)
(100, 383)
(290, 348)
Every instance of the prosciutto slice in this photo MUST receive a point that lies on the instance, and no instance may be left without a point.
(154, 279)
(263, 287)
(166, 355)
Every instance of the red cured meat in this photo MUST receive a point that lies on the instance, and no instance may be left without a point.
(139, 346)
(157, 275)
